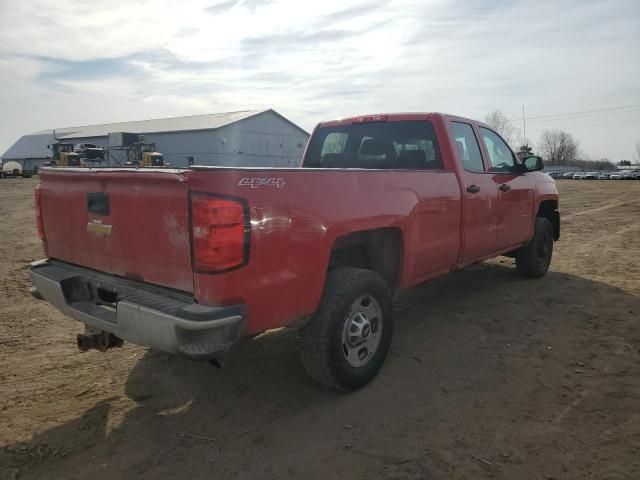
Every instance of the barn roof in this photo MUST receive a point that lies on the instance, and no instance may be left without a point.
(34, 145)
(172, 124)
(30, 146)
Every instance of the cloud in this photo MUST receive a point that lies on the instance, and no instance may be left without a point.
(221, 7)
(67, 64)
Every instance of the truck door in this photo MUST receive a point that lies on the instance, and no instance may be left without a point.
(479, 196)
(515, 192)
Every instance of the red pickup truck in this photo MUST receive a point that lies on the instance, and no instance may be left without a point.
(189, 261)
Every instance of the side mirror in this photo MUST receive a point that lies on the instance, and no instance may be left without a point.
(533, 164)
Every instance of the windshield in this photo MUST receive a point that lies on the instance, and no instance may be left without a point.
(375, 145)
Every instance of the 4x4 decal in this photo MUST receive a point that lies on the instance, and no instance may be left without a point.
(255, 182)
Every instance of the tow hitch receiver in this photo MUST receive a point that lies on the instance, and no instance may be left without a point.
(98, 339)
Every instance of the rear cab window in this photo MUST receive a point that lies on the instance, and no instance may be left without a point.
(375, 145)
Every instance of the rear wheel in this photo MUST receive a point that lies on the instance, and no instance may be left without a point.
(347, 341)
(533, 259)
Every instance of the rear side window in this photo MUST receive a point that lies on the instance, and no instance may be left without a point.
(375, 145)
(334, 143)
(468, 147)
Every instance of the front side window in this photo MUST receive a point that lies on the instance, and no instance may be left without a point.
(468, 147)
(375, 145)
(501, 156)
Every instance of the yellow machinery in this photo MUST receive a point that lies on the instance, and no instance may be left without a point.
(145, 155)
(64, 156)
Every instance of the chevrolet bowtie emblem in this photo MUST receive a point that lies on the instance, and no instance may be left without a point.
(97, 228)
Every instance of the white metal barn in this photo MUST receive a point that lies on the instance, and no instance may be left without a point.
(244, 138)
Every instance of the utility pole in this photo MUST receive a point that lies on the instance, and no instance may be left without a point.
(524, 127)
(525, 150)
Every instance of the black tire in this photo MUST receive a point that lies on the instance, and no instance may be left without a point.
(533, 259)
(323, 353)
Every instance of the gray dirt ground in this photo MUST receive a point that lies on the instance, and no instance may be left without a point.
(491, 376)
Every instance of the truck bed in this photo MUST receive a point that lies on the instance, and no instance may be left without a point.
(295, 216)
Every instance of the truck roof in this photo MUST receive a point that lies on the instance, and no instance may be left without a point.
(393, 117)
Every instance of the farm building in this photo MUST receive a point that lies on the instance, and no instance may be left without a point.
(244, 138)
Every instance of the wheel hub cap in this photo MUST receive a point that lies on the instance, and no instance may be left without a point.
(366, 330)
(362, 331)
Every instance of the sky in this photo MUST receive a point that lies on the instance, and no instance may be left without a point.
(575, 63)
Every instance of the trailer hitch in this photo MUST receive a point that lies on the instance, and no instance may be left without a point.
(98, 339)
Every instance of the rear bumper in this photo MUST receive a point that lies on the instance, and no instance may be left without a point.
(139, 313)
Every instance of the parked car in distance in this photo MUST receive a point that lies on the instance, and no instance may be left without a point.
(615, 176)
(568, 175)
(227, 253)
(603, 176)
(578, 176)
(590, 176)
(627, 175)
(555, 174)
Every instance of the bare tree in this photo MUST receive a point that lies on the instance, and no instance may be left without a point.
(589, 164)
(558, 147)
(503, 126)
(636, 156)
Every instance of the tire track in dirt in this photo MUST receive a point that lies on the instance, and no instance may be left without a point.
(606, 206)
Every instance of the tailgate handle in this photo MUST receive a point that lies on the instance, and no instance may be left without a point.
(98, 202)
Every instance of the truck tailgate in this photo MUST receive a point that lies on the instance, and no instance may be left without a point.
(130, 223)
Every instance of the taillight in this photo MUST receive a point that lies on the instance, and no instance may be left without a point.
(39, 224)
(220, 233)
(38, 206)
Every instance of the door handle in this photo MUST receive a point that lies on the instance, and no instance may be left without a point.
(504, 187)
(473, 189)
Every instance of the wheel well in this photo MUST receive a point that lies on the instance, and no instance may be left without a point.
(549, 209)
(379, 250)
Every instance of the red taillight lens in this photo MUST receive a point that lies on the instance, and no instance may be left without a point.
(219, 233)
(38, 206)
(39, 223)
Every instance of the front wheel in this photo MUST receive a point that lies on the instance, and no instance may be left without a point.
(533, 259)
(347, 341)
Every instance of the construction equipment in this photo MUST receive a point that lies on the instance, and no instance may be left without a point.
(63, 155)
(130, 149)
(144, 155)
